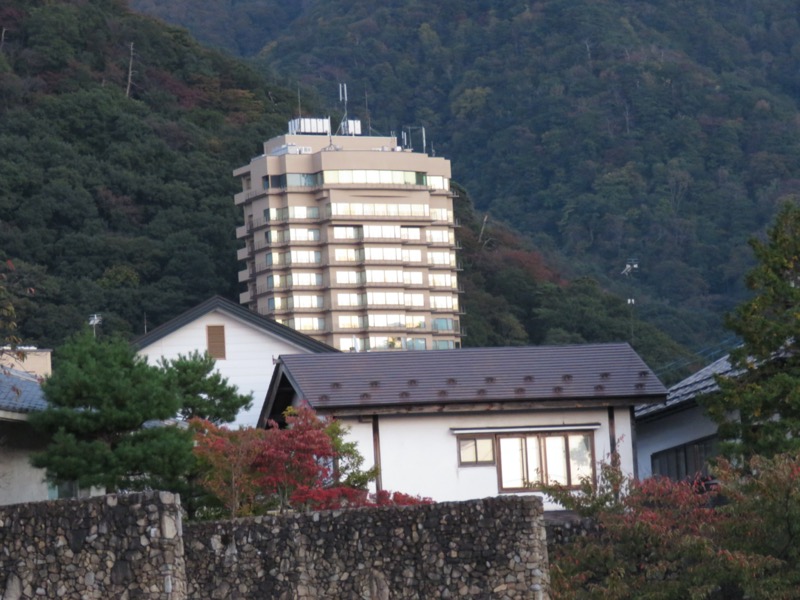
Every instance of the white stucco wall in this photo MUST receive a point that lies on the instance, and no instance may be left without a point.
(19, 481)
(676, 429)
(419, 453)
(249, 354)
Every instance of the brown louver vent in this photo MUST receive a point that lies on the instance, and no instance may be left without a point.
(643, 374)
(324, 398)
(374, 384)
(639, 386)
(566, 377)
(605, 375)
(451, 381)
(489, 380)
(442, 393)
(405, 395)
(336, 385)
(558, 389)
(519, 391)
(528, 378)
(365, 396)
(481, 392)
(412, 382)
(599, 388)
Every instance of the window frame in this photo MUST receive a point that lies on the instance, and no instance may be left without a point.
(475, 437)
(685, 448)
(542, 458)
(541, 433)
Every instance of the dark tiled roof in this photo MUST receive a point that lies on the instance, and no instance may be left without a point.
(683, 394)
(237, 311)
(610, 372)
(20, 392)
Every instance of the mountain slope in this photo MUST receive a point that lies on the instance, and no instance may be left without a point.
(662, 131)
(117, 199)
(113, 202)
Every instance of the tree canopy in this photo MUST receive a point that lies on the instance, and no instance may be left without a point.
(100, 396)
(758, 405)
(204, 392)
(112, 418)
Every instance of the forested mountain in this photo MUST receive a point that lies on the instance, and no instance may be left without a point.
(665, 131)
(118, 135)
(117, 199)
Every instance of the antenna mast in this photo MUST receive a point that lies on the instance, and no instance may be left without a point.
(343, 100)
(299, 108)
(366, 108)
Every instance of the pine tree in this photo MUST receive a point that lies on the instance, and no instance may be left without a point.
(101, 396)
(758, 407)
(204, 393)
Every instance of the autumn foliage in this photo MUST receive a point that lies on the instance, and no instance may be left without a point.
(250, 471)
(734, 538)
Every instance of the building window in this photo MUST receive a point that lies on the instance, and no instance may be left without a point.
(474, 451)
(215, 337)
(444, 345)
(685, 461)
(528, 460)
(415, 343)
(65, 489)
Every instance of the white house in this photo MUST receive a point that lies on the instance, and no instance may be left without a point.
(244, 344)
(20, 394)
(675, 438)
(476, 422)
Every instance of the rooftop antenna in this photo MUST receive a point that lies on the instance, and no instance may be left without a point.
(343, 100)
(411, 129)
(366, 108)
(299, 108)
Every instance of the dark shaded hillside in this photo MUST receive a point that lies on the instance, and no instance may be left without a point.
(112, 203)
(119, 201)
(665, 131)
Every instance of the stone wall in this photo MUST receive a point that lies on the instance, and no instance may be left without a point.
(564, 527)
(134, 547)
(124, 547)
(491, 548)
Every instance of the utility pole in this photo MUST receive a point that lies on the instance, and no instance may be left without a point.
(94, 321)
(130, 74)
(631, 266)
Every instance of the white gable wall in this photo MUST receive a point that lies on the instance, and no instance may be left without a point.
(667, 432)
(249, 354)
(419, 453)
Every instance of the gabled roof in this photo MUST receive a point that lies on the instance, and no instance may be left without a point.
(592, 373)
(20, 393)
(239, 312)
(683, 394)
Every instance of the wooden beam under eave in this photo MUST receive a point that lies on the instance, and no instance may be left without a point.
(482, 407)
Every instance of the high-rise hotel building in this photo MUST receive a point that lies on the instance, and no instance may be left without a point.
(350, 239)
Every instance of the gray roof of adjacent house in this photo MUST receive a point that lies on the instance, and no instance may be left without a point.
(20, 393)
(683, 394)
(239, 312)
(596, 374)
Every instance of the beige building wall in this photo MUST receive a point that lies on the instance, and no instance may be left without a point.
(351, 240)
(31, 360)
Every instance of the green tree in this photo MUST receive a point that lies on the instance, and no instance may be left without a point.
(679, 539)
(203, 392)
(101, 396)
(758, 406)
